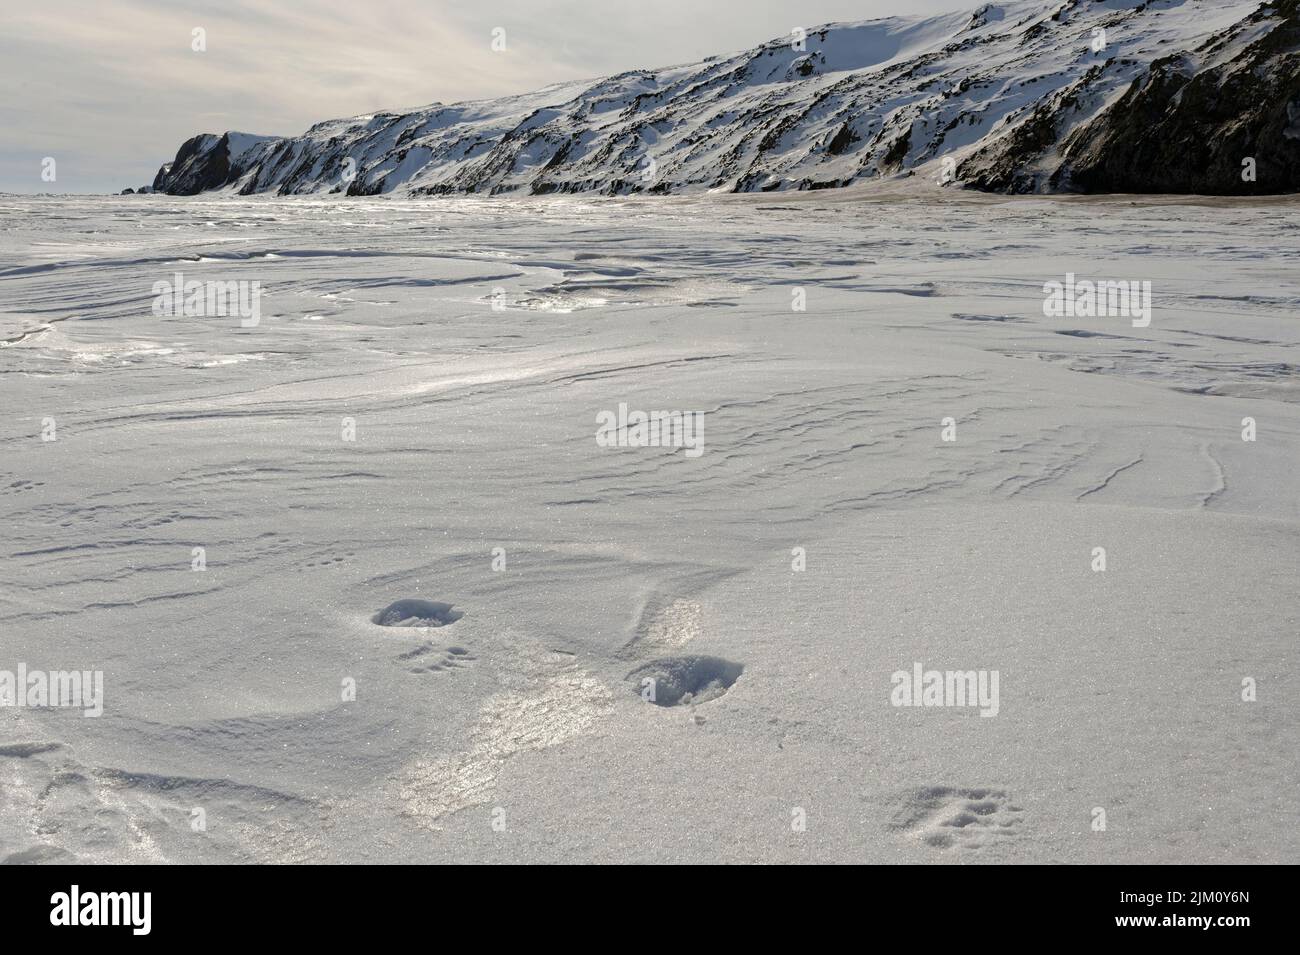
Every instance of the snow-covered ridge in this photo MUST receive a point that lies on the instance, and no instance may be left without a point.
(1026, 96)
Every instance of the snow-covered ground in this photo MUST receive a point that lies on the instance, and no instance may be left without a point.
(414, 415)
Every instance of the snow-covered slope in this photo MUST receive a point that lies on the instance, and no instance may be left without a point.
(1000, 92)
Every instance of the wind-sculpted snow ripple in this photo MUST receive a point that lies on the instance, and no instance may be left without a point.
(901, 458)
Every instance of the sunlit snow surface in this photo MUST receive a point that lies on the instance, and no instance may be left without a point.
(513, 731)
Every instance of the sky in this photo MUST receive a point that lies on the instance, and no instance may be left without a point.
(109, 91)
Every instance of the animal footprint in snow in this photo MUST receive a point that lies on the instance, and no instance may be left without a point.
(426, 658)
(416, 613)
(327, 561)
(944, 817)
(17, 487)
(684, 680)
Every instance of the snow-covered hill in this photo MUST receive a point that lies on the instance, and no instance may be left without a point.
(1028, 96)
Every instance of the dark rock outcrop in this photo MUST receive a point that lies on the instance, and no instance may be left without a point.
(1231, 129)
